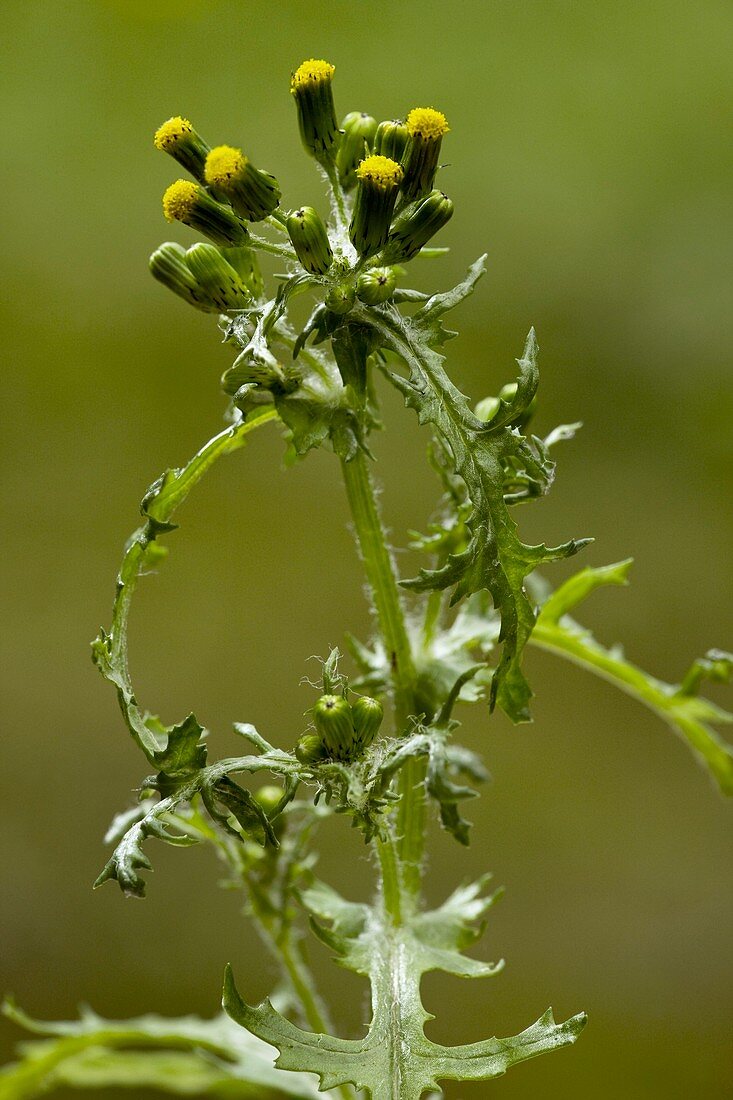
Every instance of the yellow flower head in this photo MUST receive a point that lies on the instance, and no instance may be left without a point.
(223, 165)
(380, 171)
(171, 132)
(312, 72)
(179, 200)
(425, 122)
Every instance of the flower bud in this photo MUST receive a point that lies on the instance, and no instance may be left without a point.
(341, 298)
(310, 240)
(391, 139)
(248, 370)
(416, 224)
(253, 194)
(222, 285)
(188, 203)
(508, 393)
(332, 717)
(356, 144)
(245, 262)
(178, 138)
(487, 409)
(310, 86)
(168, 265)
(376, 285)
(269, 798)
(367, 715)
(426, 128)
(379, 180)
(309, 749)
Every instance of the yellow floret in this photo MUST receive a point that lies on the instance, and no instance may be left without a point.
(224, 164)
(172, 131)
(426, 122)
(179, 200)
(312, 72)
(382, 171)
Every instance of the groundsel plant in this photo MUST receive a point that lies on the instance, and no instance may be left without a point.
(380, 748)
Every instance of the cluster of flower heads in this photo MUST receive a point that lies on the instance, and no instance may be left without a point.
(384, 172)
(343, 730)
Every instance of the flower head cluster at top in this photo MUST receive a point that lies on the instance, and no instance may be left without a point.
(384, 207)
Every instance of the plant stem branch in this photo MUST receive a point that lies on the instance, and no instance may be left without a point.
(382, 579)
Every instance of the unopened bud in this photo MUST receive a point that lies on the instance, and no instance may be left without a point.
(309, 749)
(378, 184)
(267, 374)
(222, 285)
(416, 224)
(508, 393)
(310, 86)
(391, 139)
(178, 138)
(245, 262)
(426, 128)
(367, 715)
(168, 265)
(332, 717)
(356, 144)
(188, 203)
(340, 299)
(376, 285)
(488, 408)
(269, 798)
(253, 193)
(310, 240)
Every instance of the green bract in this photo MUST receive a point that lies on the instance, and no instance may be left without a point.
(381, 749)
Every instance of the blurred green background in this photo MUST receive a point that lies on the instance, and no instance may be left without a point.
(589, 155)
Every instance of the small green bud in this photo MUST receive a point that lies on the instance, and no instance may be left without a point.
(188, 203)
(244, 261)
(248, 370)
(356, 144)
(269, 798)
(367, 715)
(508, 393)
(376, 285)
(416, 224)
(488, 408)
(332, 717)
(391, 139)
(341, 298)
(179, 139)
(378, 184)
(309, 749)
(253, 193)
(310, 240)
(310, 86)
(426, 128)
(222, 285)
(168, 265)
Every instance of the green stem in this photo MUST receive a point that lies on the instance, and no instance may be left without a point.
(382, 579)
(431, 621)
(391, 880)
(263, 245)
(302, 981)
(329, 168)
